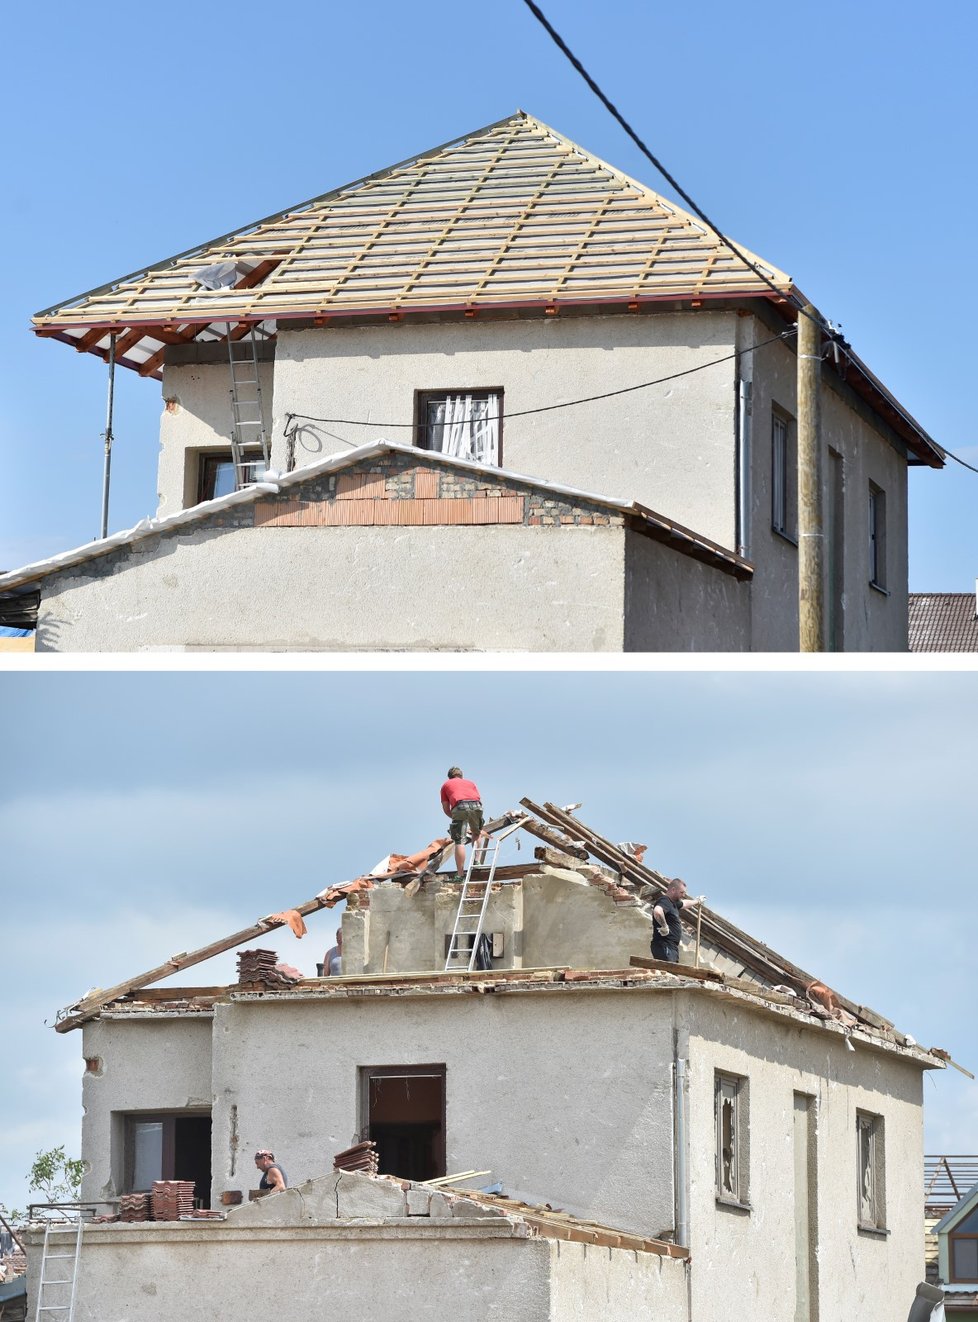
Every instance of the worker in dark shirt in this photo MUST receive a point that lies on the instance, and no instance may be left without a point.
(273, 1179)
(667, 926)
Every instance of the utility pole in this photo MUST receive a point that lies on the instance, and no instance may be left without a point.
(811, 537)
(108, 438)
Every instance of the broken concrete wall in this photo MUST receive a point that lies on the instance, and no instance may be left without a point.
(354, 1247)
(548, 919)
(745, 1257)
(132, 1065)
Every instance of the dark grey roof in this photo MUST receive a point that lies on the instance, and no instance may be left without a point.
(943, 622)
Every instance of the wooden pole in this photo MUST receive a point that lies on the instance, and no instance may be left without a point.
(811, 538)
(699, 929)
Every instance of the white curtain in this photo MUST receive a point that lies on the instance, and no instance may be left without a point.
(467, 427)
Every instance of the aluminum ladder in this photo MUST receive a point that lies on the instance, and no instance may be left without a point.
(45, 1282)
(474, 900)
(247, 411)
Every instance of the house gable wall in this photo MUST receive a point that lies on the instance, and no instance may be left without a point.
(868, 1275)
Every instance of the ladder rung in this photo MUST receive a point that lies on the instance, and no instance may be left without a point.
(51, 1256)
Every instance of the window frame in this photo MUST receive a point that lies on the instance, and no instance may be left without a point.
(168, 1119)
(871, 1127)
(954, 1237)
(735, 1088)
(422, 398)
(784, 459)
(877, 537)
(210, 459)
(438, 1070)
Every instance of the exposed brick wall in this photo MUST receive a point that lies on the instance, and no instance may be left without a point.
(394, 490)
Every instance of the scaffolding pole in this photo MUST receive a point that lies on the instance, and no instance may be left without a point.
(108, 438)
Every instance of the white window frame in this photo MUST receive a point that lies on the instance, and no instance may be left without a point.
(474, 428)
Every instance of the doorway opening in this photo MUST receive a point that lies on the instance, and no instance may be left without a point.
(402, 1110)
(169, 1147)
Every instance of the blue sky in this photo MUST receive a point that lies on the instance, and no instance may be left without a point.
(830, 139)
(147, 813)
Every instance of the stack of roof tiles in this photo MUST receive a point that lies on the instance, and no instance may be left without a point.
(134, 1207)
(172, 1199)
(361, 1157)
(262, 966)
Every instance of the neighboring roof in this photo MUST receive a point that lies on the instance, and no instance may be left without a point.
(639, 517)
(512, 215)
(947, 1178)
(943, 622)
(957, 1213)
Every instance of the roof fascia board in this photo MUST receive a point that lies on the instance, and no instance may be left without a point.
(271, 219)
(957, 1213)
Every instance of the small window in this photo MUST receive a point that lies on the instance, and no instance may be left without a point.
(784, 475)
(464, 424)
(730, 1105)
(216, 473)
(168, 1147)
(877, 536)
(872, 1186)
(963, 1246)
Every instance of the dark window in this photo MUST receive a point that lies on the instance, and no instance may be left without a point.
(216, 474)
(169, 1147)
(402, 1110)
(784, 475)
(464, 424)
(963, 1244)
(877, 536)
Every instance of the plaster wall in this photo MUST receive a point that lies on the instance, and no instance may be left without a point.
(196, 420)
(670, 446)
(676, 604)
(137, 1067)
(567, 1098)
(872, 620)
(744, 1261)
(545, 920)
(590, 1282)
(506, 588)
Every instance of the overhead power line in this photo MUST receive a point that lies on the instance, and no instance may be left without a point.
(566, 403)
(697, 210)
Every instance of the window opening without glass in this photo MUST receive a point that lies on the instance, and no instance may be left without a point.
(871, 1189)
(877, 536)
(465, 425)
(730, 1102)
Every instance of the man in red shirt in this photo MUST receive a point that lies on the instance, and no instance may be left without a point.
(461, 801)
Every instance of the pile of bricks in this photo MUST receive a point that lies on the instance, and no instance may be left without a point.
(362, 1157)
(134, 1207)
(172, 1199)
(262, 966)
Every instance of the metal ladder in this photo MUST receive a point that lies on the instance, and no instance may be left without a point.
(247, 413)
(45, 1282)
(472, 904)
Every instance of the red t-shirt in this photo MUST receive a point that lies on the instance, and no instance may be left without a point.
(455, 790)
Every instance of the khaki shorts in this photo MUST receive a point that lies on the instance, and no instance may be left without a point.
(466, 817)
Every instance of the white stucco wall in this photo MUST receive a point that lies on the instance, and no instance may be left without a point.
(566, 1097)
(197, 419)
(860, 1275)
(676, 604)
(507, 588)
(591, 1283)
(872, 620)
(137, 1067)
(670, 446)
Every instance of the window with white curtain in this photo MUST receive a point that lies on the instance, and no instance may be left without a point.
(463, 424)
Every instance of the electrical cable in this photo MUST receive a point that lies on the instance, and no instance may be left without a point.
(564, 404)
(697, 210)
